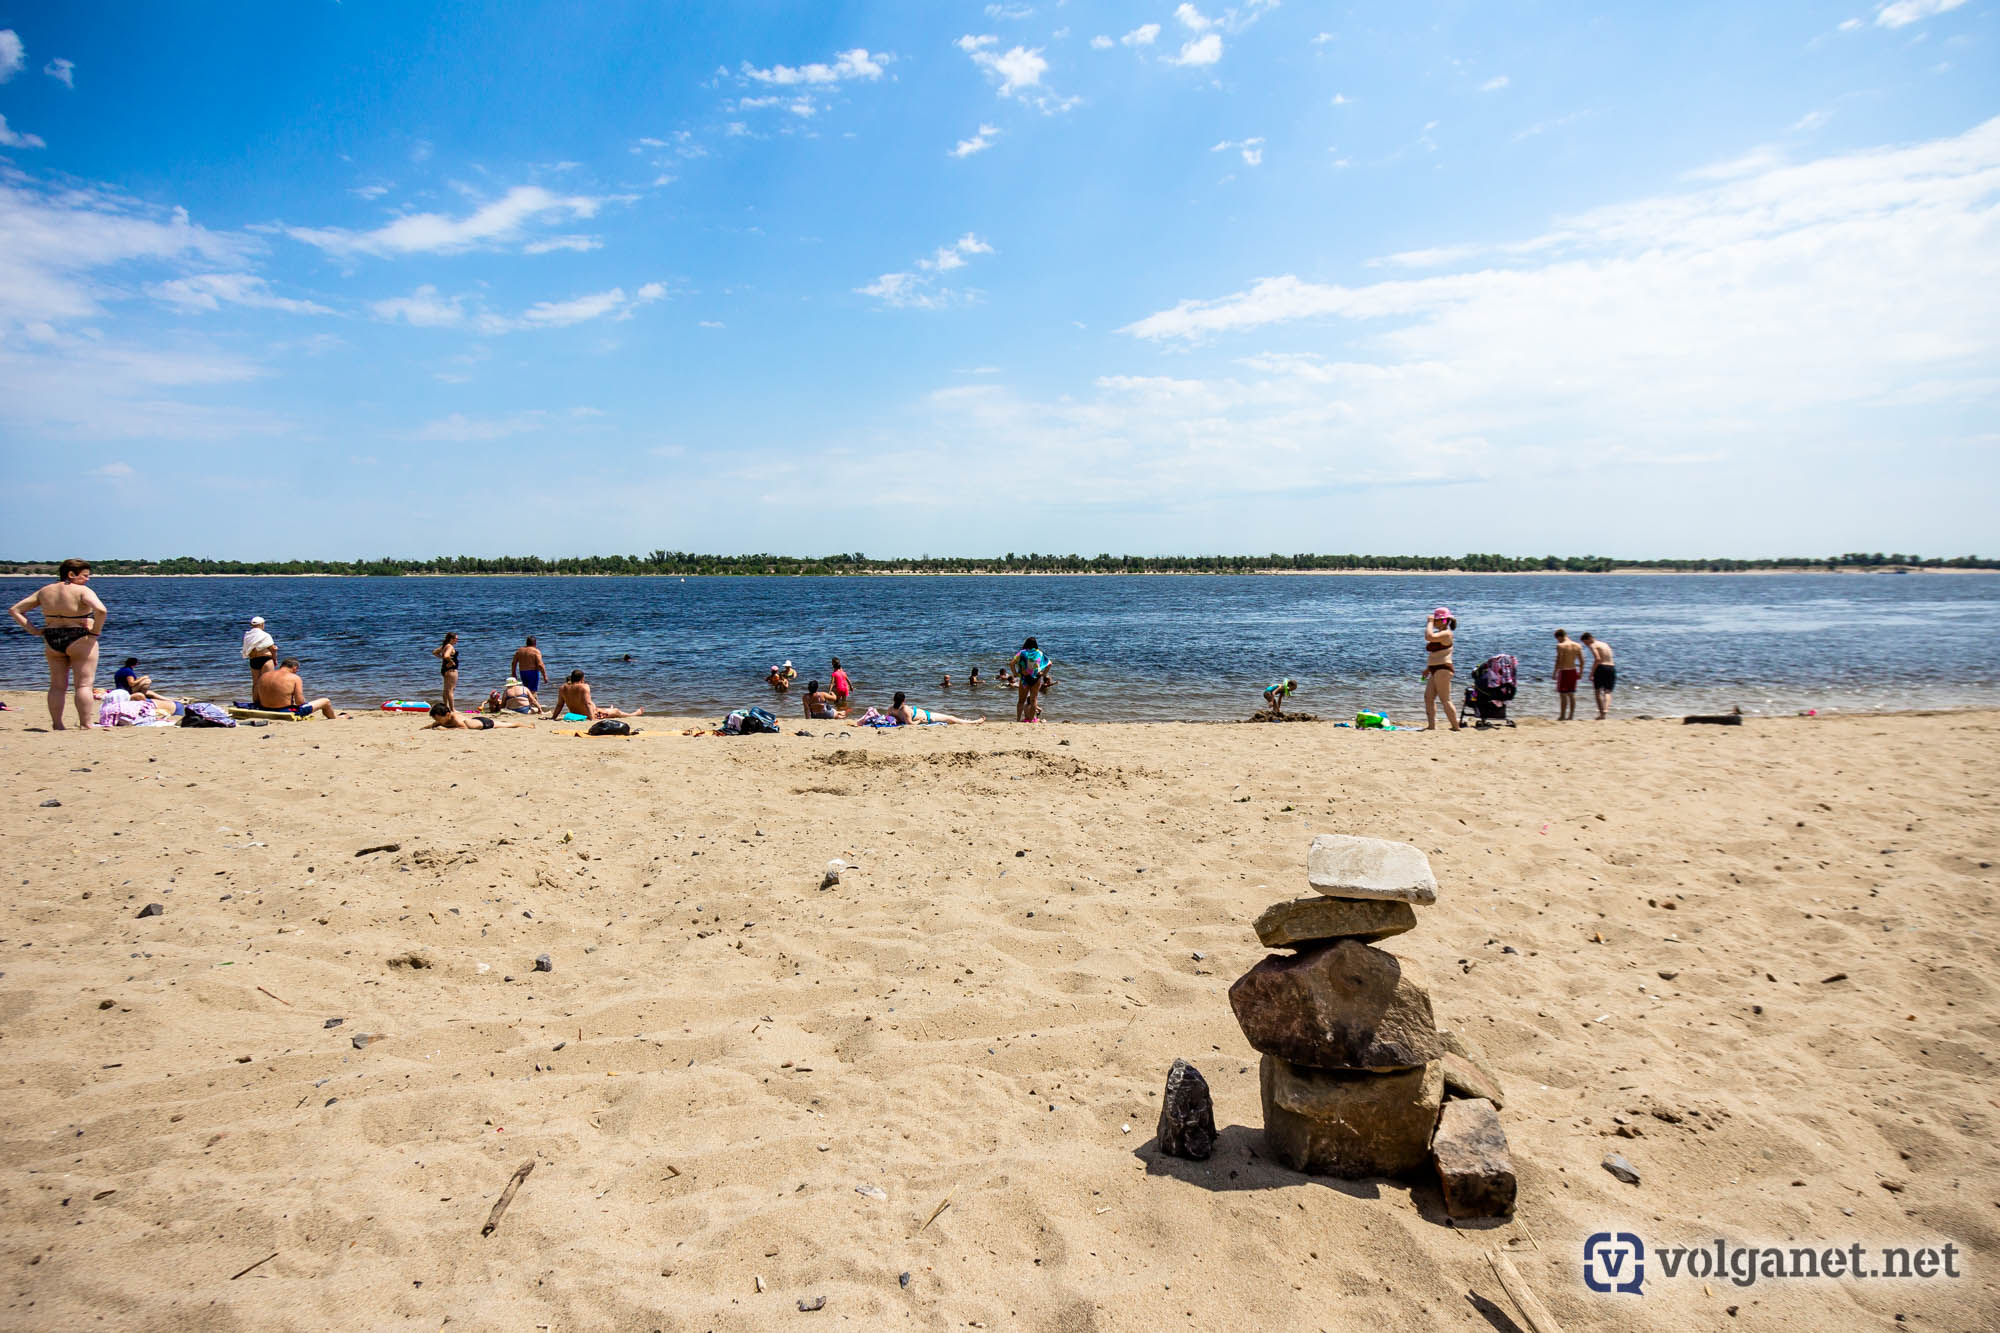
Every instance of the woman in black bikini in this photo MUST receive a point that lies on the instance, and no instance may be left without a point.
(1438, 633)
(72, 618)
(447, 655)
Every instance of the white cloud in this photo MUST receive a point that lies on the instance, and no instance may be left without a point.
(858, 63)
(14, 139)
(978, 143)
(62, 71)
(713, 324)
(554, 243)
(1252, 149)
(118, 470)
(1322, 39)
(1341, 99)
(1811, 121)
(491, 224)
(1902, 13)
(425, 308)
(1009, 12)
(1018, 71)
(1203, 50)
(461, 429)
(370, 192)
(1494, 84)
(212, 291)
(1849, 25)
(1193, 19)
(1143, 35)
(13, 56)
(1795, 302)
(920, 290)
(1101, 43)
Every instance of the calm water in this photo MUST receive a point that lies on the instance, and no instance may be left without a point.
(1126, 648)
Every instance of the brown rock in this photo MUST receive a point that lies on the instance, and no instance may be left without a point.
(1336, 1006)
(1349, 1124)
(1465, 1074)
(1187, 1114)
(1310, 920)
(1470, 1149)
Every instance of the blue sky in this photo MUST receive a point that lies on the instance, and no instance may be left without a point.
(323, 279)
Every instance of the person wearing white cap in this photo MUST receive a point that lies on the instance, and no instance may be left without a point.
(777, 679)
(790, 672)
(259, 648)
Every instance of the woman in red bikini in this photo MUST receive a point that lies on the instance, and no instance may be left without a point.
(72, 618)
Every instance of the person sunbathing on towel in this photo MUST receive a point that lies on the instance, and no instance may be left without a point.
(447, 719)
(279, 689)
(574, 704)
(910, 717)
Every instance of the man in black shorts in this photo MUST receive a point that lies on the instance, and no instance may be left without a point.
(1603, 673)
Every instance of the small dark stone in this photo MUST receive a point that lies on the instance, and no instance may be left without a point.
(1622, 1169)
(543, 963)
(1187, 1114)
(902, 1279)
(51, 803)
(106, 1004)
(333, 1022)
(362, 1039)
(816, 1303)
(152, 909)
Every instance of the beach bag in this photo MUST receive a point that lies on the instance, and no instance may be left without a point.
(1368, 721)
(610, 726)
(205, 715)
(759, 720)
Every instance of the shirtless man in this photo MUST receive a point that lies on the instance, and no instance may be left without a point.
(1603, 673)
(281, 690)
(72, 618)
(1569, 670)
(528, 666)
(574, 704)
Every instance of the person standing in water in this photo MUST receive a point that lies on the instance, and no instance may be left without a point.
(1439, 631)
(447, 655)
(1029, 666)
(528, 666)
(1569, 670)
(841, 687)
(72, 619)
(1603, 674)
(1274, 693)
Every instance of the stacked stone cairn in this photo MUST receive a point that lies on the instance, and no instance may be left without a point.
(1355, 1071)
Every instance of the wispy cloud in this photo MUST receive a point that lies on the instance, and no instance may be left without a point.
(1143, 35)
(1494, 84)
(15, 139)
(461, 429)
(858, 63)
(427, 308)
(1902, 13)
(1252, 149)
(212, 291)
(919, 288)
(492, 224)
(62, 71)
(13, 55)
(978, 143)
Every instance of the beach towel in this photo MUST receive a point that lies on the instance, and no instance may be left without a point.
(205, 715)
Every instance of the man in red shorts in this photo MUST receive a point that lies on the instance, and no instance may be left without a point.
(1569, 670)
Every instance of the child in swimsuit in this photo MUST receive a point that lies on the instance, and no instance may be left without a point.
(1274, 694)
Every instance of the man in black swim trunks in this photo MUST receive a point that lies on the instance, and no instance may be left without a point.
(1603, 673)
(72, 618)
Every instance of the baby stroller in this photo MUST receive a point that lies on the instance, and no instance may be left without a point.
(1492, 686)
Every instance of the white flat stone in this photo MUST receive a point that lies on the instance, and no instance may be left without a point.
(1339, 866)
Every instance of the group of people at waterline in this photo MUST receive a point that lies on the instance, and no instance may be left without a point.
(73, 619)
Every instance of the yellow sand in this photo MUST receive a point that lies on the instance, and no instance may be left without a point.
(979, 1017)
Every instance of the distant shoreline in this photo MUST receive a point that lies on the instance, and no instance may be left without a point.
(1621, 570)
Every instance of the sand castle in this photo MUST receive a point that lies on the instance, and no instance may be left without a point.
(1356, 1073)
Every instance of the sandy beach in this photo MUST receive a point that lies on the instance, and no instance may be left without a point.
(1755, 961)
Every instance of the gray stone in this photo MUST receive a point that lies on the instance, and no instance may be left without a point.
(1310, 920)
(1466, 1075)
(1349, 1125)
(1187, 1114)
(1473, 1167)
(1342, 867)
(1622, 1169)
(152, 909)
(1343, 1005)
(363, 1040)
(543, 963)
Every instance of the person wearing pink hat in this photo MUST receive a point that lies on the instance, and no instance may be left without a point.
(1438, 632)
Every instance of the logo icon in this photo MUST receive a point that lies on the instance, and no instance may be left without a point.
(1614, 1261)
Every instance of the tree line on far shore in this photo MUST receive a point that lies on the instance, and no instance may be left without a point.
(691, 563)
